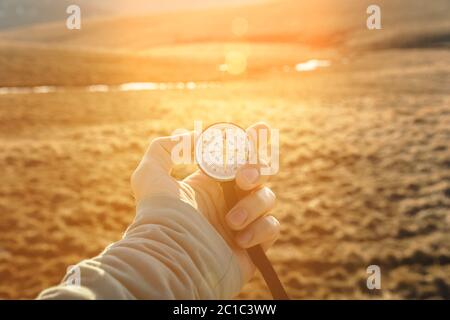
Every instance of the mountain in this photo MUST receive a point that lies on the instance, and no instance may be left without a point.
(320, 23)
(17, 13)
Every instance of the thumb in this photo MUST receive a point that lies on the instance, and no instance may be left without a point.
(163, 152)
(152, 176)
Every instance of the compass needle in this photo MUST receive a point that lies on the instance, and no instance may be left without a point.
(225, 142)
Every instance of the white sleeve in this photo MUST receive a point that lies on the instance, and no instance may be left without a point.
(170, 251)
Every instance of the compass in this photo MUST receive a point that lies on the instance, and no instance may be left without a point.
(220, 150)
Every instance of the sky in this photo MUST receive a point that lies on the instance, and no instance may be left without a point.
(16, 13)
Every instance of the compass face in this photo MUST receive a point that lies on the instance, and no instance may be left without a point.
(221, 149)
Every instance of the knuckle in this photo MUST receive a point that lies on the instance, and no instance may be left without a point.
(136, 177)
(159, 142)
(155, 144)
(136, 174)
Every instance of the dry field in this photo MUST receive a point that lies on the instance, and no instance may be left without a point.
(365, 158)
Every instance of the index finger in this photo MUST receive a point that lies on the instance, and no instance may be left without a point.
(260, 137)
(249, 176)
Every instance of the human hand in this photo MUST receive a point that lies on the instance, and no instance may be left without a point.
(244, 226)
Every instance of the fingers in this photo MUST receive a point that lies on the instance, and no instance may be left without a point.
(249, 177)
(264, 230)
(166, 151)
(254, 131)
(260, 136)
(255, 174)
(204, 185)
(249, 218)
(250, 208)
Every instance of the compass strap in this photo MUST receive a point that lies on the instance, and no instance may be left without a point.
(256, 253)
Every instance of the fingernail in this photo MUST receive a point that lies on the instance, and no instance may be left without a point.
(244, 239)
(251, 175)
(237, 217)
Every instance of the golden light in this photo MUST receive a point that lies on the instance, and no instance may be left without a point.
(239, 26)
(312, 65)
(235, 63)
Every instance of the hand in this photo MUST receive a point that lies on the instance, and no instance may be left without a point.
(246, 225)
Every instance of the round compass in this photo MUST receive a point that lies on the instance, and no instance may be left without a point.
(221, 149)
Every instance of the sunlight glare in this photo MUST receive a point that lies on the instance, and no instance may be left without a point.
(312, 65)
(138, 86)
(235, 63)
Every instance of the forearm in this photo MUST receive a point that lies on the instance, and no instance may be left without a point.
(169, 252)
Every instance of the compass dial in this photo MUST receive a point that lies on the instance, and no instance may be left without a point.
(221, 149)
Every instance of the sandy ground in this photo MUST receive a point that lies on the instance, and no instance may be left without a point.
(364, 173)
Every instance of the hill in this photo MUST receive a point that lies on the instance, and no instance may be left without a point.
(319, 23)
(19, 13)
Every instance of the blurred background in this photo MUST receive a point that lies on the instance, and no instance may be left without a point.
(364, 118)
